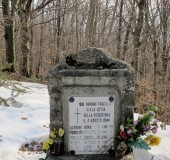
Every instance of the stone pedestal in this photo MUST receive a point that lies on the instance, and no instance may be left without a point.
(96, 93)
(81, 157)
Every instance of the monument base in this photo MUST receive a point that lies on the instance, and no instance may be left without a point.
(82, 157)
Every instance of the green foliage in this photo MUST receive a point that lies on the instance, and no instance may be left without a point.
(153, 108)
(8, 65)
(129, 122)
(15, 87)
(140, 144)
(145, 120)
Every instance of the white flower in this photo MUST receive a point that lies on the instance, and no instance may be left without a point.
(122, 128)
(129, 131)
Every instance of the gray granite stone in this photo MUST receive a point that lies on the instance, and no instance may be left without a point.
(92, 72)
(95, 58)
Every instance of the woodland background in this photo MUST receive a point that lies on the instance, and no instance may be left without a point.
(37, 34)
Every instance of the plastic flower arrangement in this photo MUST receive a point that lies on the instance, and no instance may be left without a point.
(140, 133)
(53, 135)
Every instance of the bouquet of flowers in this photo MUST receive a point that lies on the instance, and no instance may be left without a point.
(141, 132)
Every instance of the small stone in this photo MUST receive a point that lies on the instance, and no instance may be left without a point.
(121, 150)
(24, 118)
(129, 156)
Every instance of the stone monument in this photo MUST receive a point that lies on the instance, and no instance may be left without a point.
(91, 95)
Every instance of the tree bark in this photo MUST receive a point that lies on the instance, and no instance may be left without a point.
(77, 28)
(136, 36)
(24, 12)
(103, 30)
(111, 24)
(136, 43)
(89, 31)
(24, 8)
(24, 45)
(40, 57)
(155, 70)
(58, 40)
(164, 21)
(128, 31)
(8, 24)
(119, 30)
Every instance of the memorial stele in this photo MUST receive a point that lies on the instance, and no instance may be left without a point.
(91, 95)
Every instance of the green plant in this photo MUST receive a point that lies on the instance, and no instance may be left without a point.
(153, 108)
(53, 135)
(15, 87)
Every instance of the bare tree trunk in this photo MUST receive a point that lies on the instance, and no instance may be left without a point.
(89, 32)
(136, 36)
(119, 30)
(24, 8)
(111, 23)
(164, 22)
(31, 43)
(77, 29)
(8, 24)
(136, 43)
(102, 35)
(30, 50)
(128, 30)
(24, 12)
(155, 71)
(25, 46)
(39, 65)
(58, 29)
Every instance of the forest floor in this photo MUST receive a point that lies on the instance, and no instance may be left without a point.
(17, 77)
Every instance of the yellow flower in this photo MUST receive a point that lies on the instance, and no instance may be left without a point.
(61, 132)
(50, 141)
(153, 140)
(53, 135)
(148, 138)
(46, 145)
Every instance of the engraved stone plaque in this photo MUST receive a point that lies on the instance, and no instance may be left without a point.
(91, 124)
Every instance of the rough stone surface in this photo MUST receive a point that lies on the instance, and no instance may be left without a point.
(83, 157)
(92, 72)
(95, 58)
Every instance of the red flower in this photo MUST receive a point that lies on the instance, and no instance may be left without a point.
(123, 135)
